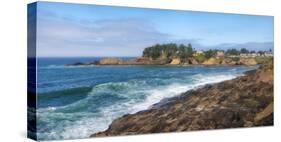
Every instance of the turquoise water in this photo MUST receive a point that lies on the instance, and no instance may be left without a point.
(75, 102)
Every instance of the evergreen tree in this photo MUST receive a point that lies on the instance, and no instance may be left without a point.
(244, 51)
(168, 51)
(232, 51)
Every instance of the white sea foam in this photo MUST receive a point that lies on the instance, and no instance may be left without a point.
(82, 124)
(176, 89)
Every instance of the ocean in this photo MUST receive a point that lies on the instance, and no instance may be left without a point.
(77, 101)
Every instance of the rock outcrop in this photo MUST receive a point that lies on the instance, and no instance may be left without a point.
(143, 60)
(228, 61)
(193, 61)
(211, 61)
(118, 61)
(246, 101)
(162, 61)
(110, 61)
(175, 61)
(247, 61)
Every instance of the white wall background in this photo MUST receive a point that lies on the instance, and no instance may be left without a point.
(13, 69)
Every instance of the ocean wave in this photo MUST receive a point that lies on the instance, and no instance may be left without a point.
(66, 92)
(108, 101)
(176, 89)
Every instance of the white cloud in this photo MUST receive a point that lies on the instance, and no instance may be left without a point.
(63, 36)
(115, 37)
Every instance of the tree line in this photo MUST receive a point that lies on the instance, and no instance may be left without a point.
(169, 51)
(172, 50)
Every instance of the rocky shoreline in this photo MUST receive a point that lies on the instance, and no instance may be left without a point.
(245, 101)
(176, 61)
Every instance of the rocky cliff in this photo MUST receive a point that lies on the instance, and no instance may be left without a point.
(247, 61)
(211, 61)
(246, 101)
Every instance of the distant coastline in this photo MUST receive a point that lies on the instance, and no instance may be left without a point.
(174, 54)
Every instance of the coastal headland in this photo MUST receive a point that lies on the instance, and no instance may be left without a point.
(173, 54)
(245, 101)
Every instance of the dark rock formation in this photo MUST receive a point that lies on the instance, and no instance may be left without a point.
(84, 64)
(246, 101)
(76, 64)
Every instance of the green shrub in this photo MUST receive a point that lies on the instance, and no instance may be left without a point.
(263, 59)
(200, 58)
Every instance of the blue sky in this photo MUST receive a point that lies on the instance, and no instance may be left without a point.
(89, 30)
